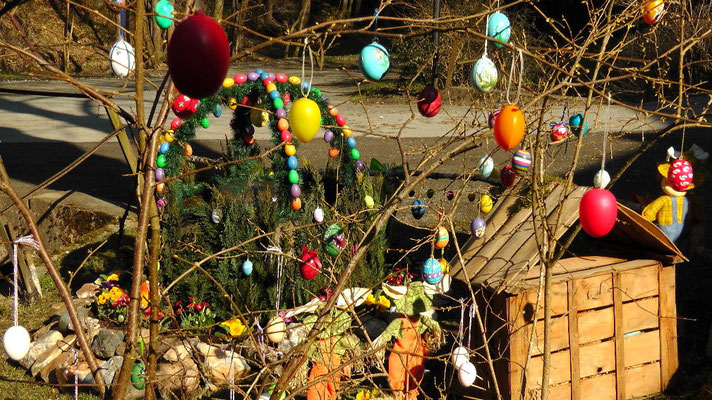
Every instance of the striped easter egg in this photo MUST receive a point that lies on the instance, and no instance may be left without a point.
(441, 238)
(432, 271)
(521, 161)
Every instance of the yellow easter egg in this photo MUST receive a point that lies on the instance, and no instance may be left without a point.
(259, 117)
(271, 87)
(346, 131)
(228, 82)
(232, 103)
(289, 149)
(445, 265)
(305, 119)
(169, 136)
(486, 203)
(294, 80)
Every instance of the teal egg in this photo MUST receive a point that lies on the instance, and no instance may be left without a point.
(484, 74)
(247, 267)
(293, 176)
(374, 61)
(498, 27)
(292, 162)
(575, 124)
(432, 271)
(164, 13)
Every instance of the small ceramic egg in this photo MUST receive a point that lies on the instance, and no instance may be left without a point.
(460, 355)
(486, 166)
(16, 342)
(368, 200)
(247, 267)
(442, 237)
(276, 329)
(318, 215)
(477, 228)
(484, 75)
(432, 271)
(498, 27)
(122, 58)
(466, 374)
(486, 203)
(374, 61)
(521, 161)
(164, 14)
(601, 179)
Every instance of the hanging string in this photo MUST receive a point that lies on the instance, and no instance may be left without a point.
(375, 25)
(76, 374)
(605, 135)
(682, 143)
(307, 85)
(511, 76)
(436, 41)
(486, 35)
(232, 378)
(28, 241)
(472, 315)
(461, 331)
(122, 23)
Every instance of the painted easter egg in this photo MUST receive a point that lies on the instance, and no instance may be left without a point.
(653, 11)
(310, 263)
(259, 117)
(164, 147)
(446, 265)
(509, 127)
(679, 175)
(161, 160)
(559, 132)
(418, 209)
(575, 122)
(176, 123)
(164, 14)
(507, 177)
(276, 329)
(247, 267)
(442, 237)
(498, 27)
(292, 162)
(351, 142)
(466, 374)
(198, 56)
(484, 75)
(459, 356)
(521, 161)
(369, 201)
(432, 271)
(492, 118)
(293, 176)
(601, 179)
(318, 215)
(486, 203)
(296, 204)
(486, 166)
(114, 5)
(328, 136)
(16, 342)
(184, 107)
(138, 376)
(334, 239)
(429, 102)
(160, 174)
(122, 58)
(597, 212)
(374, 61)
(305, 119)
(477, 228)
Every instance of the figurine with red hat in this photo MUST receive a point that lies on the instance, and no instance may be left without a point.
(670, 210)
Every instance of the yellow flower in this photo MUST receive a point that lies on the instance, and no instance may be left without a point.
(112, 277)
(366, 394)
(370, 300)
(236, 327)
(103, 298)
(115, 293)
(384, 303)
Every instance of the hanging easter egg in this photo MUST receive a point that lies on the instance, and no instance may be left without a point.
(184, 107)
(216, 216)
(507, 176)
(161, 204)
(521, 161)
(198, 56)
(292, 162)
(477, 228)
(296, 204)
(188, 150)
(114, 5)
(259, 117)
(432, 271)
(429, 102)
(334, 240)
(276, 329)
(374, 61)
(575, 122)
(355, 154)
(486, 166)
(247, 267)
(442, 237)
(318, 215)
(597, 212)
(601, 179)
(360, 165)
(205, 122)
(122, 58)
(368, 201)
(492, 118)
(16, 342)
(310, 263)
(653, 11)
(559, 132)
(163, 149)
(304, 119)
(418, 209)
(164, 14)
(459, 356)
(484, 75)
(679, 175)
(138, 376)
(486, 203)
(498, 27)
(509, 127)
(445, 265)
(467, 374)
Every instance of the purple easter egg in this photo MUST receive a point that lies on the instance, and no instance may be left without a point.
(271, 75)
(478, 228)
(161, 203)
(281, 113)
(360, 165)
(253, 76)
(328, 136)
(326, 100)
(295, 190)
(160, 174)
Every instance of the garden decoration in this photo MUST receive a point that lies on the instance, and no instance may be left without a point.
(498, 27)
(247, 267)
(115, 5)
(198, 56)
(164, 14)
(486, 203)
(16, 340)
(406, 363)
(521, 161)
(492, 118)
(507, 177)
(432, 271)
(442, 237)
(577, 124)
(653, 11)
(483, 75)
(477, 228)
(429, 102)
(670, 210)
(486, 166)
(334, 240)
(509, 125)
(559, 132)
(418, 208)
(373, 59)
(122, 58)
(311, 264)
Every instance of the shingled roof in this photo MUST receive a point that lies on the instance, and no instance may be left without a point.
(507, 257)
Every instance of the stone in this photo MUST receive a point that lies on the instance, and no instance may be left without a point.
(181, 376)
(53, 352)
(296, 333)
(65, 324)
(59, 363)
(87, 291)
(178, 352)
(39, 346)
(93, 327)
(218, 367)
(81, 369)
(106, 342)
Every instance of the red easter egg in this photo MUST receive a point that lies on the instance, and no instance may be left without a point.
(340, 120)
(176, 123)
(198, 56)
(310, 265)
(281, 78)
(429, 102)
(597, 212)
(509, 127)
(184, 107)
(285, 136)
(267, 82)
(240, 78)
(286, 98)
(507, 176)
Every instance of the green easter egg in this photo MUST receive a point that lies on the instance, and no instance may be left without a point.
(205, 122)
(293, 176)
(355, 154)
(138, 376)
(161, 160)
(278, 103)
(164, 13)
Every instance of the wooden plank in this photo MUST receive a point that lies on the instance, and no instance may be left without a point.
(606, 269)
(668, 325)
(574, 264)
(598, 358)
(593, 292)
(574, 362)
(559, 335)
(599, 387)
(643, 380)
(595, 325)
(559, 305)
(642, 348)
(646, 230)
(559, 372)
(618, 324)
(518, 346)
(639, 283)
(640, 314)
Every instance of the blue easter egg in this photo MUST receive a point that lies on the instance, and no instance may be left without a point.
(374, 61)
(351, 142)
(292, 162)
(499, 28)
(247, 267)
(274, 95)
(164, 148)
(217, 112)
(575, 124)
(306, 85)
(432, 271)
(418, 209)
(259, 71)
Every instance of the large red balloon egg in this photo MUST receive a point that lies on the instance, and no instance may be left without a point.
(509, 127)
(597, 212)
(198, 56)
(429, 102)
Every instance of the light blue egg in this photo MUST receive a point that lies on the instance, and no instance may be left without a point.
(247, 267)
(259, 71)
(164, 148)
(306, 85)
(292, 162)
(486, 166)
(432, 271)
(217, 112)
(264, 75)
(374, 61)
(575, 124)
(351, 142)
(499, 28)
(484, 74)
(274, 95)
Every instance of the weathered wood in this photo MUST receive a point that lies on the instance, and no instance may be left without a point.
(642, 381)
(575, 364)
(640, 315)
(559, 371)
(606, 269)
(526, 305)
(600, 387)
(668, 325)
(646, 232)
(27, 275)
(575, 264)
(639, 283)
(642, 348)
(618, 323)
(593, 292)
(598, 358)
(518, 345)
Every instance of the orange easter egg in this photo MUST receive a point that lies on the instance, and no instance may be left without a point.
(653, 11)
(509, 127)
(296, 204)
(188, 150)
(333, 152)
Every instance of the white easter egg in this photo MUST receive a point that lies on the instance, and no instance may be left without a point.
(484, 75)
(122, 58)
(466, 374)
(460, 356)
(276, 329)
(318, 215)
(16, 342)
(601, 179)
(486, 166)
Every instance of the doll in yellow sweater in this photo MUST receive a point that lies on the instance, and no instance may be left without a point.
(670, 210)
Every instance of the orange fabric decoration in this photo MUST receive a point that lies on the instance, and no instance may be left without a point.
(330, 360)
(407, 355)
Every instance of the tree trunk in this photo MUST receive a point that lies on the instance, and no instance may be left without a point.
(242, 5)
(345, 11)
(218, 9)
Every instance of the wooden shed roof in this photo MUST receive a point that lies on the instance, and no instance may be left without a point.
(507, 257)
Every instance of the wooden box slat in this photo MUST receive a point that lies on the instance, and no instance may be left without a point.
(642, 348)
(642, 380)
(639, 283)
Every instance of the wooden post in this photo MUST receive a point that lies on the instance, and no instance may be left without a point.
(126, 147)
(27, 275)
(574, 344)
(618, 324)
(668, 325)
